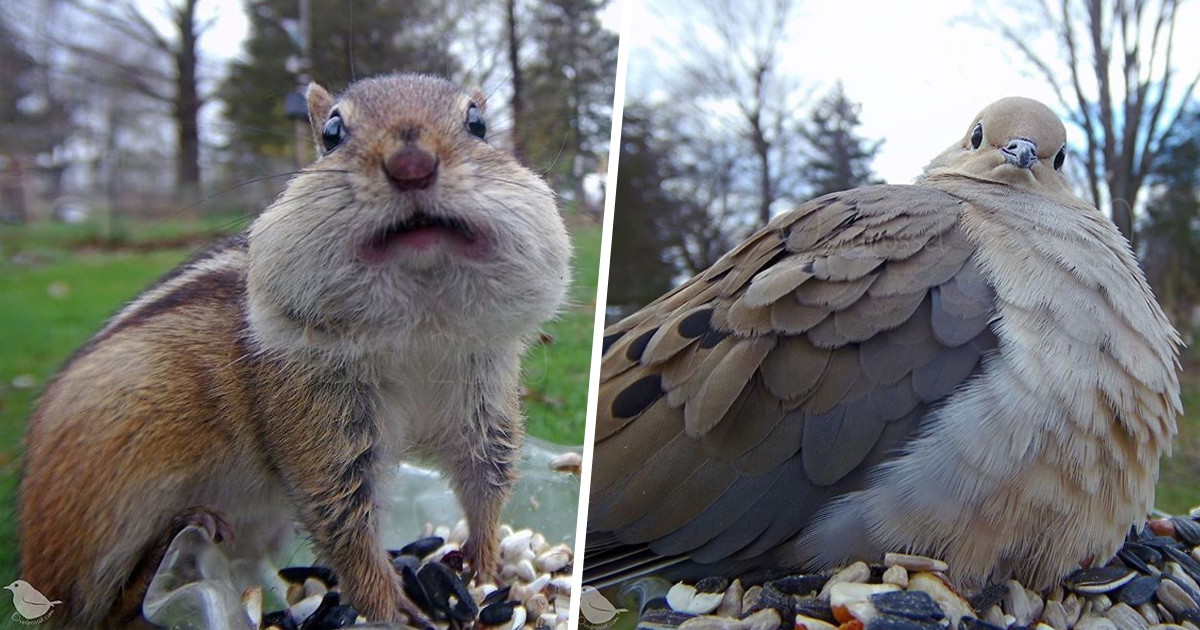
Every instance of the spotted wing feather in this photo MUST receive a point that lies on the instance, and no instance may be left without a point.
(731, 409)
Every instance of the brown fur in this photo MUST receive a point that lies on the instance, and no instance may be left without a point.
(277, 376)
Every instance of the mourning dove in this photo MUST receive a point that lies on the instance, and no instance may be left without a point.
(972, 367)
(28, 601)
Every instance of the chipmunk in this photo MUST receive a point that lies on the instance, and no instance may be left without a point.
(377, 310)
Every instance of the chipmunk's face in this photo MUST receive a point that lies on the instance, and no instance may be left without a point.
(409, 219)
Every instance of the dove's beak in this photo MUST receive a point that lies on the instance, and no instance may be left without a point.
(1020, 152)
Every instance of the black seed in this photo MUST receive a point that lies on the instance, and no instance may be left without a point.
(800, 584)
(497, 595)
(281, 619)
(971, 623)
(416, 591)
(406, 560)
(1138, 556)
(609, 340)
(638, 397)
(297, 575)
(454, 560)
(1189, 564)
(635, 349)
(423, 547)
(1191, 592)
(496, 614)
(877, 571)
(712, 585)
(713, 338)
(695, 324)
(336, 617)
(661, 619)
(771, 597)
(441, 583)
(1159, 542)
(916, 605)
(1187, 529)
(815, 608)
(989, 597)
(1188, 614)
(1097, 581)
(1139, 591)
(316, 619)
(892, 622)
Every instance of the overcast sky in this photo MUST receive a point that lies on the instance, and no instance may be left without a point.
(920, 70)
(225, 39)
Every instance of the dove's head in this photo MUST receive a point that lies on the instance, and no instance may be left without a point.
(1016, 141)
(17, 586)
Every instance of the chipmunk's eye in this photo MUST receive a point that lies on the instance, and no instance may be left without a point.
(334, 132)
(475, 124)
(977, 136)
(1060, 158)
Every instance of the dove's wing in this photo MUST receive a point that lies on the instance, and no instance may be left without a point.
(732, 408)
(35, 598)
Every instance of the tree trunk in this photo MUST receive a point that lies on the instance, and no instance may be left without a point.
(514, 49)
(187, 104)
(1122, 196)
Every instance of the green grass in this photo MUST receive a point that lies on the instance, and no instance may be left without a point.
(1179, 481)
(59, 283)
(556, 374)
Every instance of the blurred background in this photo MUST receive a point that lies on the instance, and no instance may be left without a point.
(738, 110)
(132, 132)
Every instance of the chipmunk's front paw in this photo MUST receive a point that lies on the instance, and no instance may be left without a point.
(481, 556)
(208, 518)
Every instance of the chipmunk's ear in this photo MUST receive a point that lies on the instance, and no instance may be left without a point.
(319, 104)
(480, 99)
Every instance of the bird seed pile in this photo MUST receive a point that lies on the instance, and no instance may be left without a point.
(1150, 585)
(536, 594)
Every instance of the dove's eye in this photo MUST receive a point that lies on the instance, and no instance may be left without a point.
(1060, 158)
(977, 136)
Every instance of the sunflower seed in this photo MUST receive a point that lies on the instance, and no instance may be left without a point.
(1096, 581)
(1187, 530)
(1139, 590)
(892, 622)
(857, 572)
(800, 584)
(1126, 618)
(731, 601)
(914, 563)
(1055, 615)
(989, 596)
(915, 605)
(971, 623)
(423, 547)
(1094, 622)
(1174, 597)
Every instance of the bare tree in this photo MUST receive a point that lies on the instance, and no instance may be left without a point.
(745, 67)
(174, 84)
(518, 81)
(1125, 125)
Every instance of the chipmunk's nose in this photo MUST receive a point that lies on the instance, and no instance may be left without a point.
(411, 168)
(1020, 152)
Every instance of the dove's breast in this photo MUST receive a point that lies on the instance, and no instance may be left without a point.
(1059, 431)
